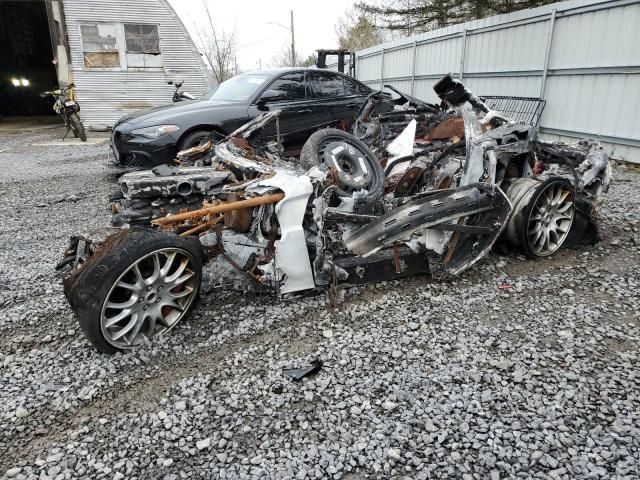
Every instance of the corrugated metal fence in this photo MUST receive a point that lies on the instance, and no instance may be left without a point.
(583, 57)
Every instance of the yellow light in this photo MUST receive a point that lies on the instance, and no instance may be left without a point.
(24, 82)
(16, 82)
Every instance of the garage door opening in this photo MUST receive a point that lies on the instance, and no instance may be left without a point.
(26, 67)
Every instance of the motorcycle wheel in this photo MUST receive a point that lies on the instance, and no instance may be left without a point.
(76, 127)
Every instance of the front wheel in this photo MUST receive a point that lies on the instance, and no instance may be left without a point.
(193, 139)
(76, 127)
(142, 286)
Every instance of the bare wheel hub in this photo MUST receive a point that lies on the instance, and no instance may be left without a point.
(149, 298)
(349, 163)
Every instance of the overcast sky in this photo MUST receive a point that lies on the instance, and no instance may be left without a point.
(257, 39)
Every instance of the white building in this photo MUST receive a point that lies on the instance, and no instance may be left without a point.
(121, 54)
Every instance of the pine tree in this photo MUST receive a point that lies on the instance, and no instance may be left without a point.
(416, 16)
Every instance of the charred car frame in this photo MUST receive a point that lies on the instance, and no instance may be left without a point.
(416, 187)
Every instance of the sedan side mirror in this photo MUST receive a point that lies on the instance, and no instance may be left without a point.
(269, 96)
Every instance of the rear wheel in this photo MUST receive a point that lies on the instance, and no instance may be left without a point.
(542, 215)
(142, 286)
(548, 218)
(77, 127)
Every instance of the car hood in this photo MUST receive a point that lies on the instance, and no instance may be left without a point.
(163, 114)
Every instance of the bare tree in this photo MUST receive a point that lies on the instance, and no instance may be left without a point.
(218, 46)
(356, 31)
(285, 58)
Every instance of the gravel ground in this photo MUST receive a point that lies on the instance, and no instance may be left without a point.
(420, 380)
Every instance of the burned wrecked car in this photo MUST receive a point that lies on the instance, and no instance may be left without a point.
(415, 187)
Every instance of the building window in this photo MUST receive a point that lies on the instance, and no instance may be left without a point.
(142, 38)
(100, 46)
(142, 45)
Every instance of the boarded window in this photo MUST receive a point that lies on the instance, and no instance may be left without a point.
(99, 45)
(143, 45)
(142, 38)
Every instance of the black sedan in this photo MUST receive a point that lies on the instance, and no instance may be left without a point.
(308, 99)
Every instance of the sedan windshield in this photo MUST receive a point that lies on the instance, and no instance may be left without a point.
(237, 89)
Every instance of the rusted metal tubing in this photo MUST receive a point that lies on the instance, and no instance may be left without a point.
(225, 207)
(201, 227)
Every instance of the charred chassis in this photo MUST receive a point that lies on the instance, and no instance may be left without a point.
(416, 187)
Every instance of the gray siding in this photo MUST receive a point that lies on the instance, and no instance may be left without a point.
(582, 56)
(106, 95)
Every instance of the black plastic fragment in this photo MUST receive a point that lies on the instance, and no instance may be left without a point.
(299, 373)
(165, 170)
(585, 227)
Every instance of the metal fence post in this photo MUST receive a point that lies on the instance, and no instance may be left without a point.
(464, 47)
(547, 53)
(382, 68)
(413, 66)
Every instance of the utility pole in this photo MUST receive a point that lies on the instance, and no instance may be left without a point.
(293, 43)
(293, 38)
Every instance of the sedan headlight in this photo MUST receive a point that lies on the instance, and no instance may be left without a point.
(155, 132)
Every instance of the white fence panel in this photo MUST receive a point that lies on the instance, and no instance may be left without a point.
(608, 37)
(504, 49)
(439, 57)
(368, 68)
(398, 63)
(516, 86)
(424, 91)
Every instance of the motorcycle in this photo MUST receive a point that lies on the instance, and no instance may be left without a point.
(178, 96)
(68, 110)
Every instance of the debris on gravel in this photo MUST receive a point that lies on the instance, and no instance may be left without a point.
(420, 379)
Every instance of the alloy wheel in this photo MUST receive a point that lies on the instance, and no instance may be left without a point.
(149, 298)
(550, 218)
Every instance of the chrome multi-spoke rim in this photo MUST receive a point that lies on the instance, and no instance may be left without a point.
(551, 218)
(149, 298)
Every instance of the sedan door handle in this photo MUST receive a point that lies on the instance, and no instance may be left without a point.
(304, 110)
